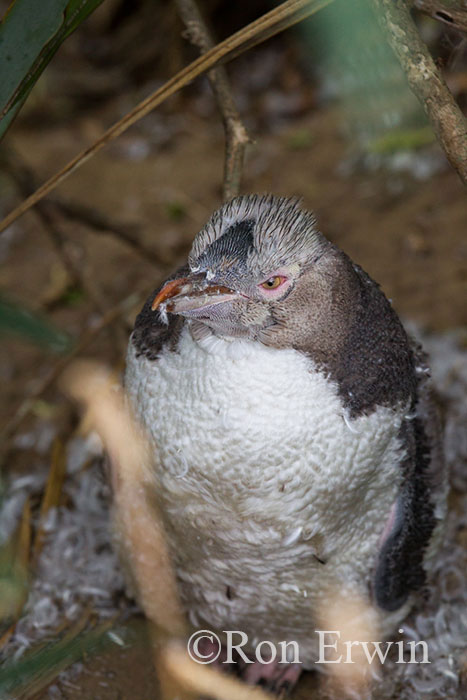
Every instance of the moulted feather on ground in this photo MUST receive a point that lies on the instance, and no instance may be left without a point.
(78, 568)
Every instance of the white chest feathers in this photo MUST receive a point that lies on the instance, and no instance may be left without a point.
(261, 473)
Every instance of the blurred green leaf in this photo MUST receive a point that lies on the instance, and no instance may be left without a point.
(14, 569)
(359, 70)
(300, 139)
(72, 296)
(175, 210)
(403, 140)
(30, 34)
(17, 320)
(35, 670)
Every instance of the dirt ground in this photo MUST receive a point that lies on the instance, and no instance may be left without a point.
(406, 233)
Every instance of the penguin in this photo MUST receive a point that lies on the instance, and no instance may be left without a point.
(295, 446)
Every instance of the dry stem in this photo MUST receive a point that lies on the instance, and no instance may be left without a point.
(52, 493)
(426, 82)
(136, 514)
(286, 15)
(236, 136)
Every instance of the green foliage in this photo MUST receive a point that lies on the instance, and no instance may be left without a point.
(72, 296)
(30, 34)
(34, 671)
(360, 72)
(175, 210)
(300, 139)
(17, 320)
(403, 140)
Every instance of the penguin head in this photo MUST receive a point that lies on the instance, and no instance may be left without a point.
(259, 269)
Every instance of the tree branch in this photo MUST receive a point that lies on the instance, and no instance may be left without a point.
(426, 81)
(450, 12)
(236, 136)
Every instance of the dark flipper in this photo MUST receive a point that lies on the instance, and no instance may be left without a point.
(400, 570)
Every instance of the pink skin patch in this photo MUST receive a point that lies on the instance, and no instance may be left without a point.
(277, 677)
(276, 292)
(389, 525)
(209, 650)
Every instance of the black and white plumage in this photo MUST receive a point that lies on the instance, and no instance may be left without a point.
(295, 444)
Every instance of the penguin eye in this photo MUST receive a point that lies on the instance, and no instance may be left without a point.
(273, 282)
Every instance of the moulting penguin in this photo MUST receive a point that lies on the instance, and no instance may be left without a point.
(295, 445)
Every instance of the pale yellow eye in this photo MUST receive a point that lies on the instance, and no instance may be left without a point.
(272, 283)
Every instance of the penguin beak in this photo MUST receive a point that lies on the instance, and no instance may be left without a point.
(192, 294)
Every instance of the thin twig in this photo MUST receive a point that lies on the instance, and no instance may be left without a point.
(24, 178)
(75, 267)
(426, 82)
(273, 22)
(48, 214)
(79, 271)
(236, 136)
(98, 222)
(86, 338)
(24, 182)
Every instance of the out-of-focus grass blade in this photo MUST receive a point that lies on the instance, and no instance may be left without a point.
(17, 320)
(38, 668)
(14, 571)
(30, 34)
(51, 497)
